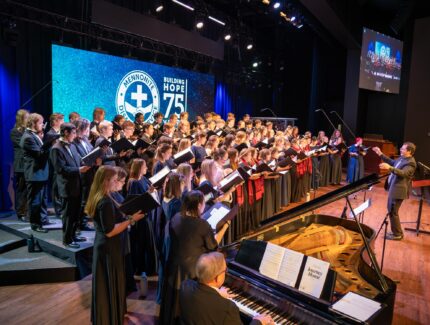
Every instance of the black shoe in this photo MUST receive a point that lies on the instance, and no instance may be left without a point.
(79, 239)
(72, 245)
(391, 236)
(22, 218)
(87, 228)
(39, 229)
(47, 223)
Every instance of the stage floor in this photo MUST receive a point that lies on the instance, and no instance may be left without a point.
(407, 261)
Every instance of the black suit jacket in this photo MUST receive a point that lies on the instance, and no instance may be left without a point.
(203, 305)
(87, 177)
(66, 169)
(18, 153)
(109, 157)
(35, 157)
(399, 186)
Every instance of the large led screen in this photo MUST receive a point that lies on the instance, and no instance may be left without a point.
(83, 80)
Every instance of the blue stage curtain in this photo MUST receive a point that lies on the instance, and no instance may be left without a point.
(9, 104)
(229, 99)
(223, 102)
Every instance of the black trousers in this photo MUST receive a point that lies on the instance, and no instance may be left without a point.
(57, 201)
(70, 215)
(20, 194)
(37, 202)
(393, 207)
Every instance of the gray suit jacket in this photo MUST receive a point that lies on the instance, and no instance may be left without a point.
(400, 185)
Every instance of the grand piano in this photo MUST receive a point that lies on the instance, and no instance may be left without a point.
(345, 244)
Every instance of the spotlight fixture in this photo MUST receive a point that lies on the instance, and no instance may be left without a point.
(183, 5)
(199, 20)
(293, 18)
(227, 37)
(276, 5)
(249, 46)
(158, 6)
(300, 26)
(255, 65)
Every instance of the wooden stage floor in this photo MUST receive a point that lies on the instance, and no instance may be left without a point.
(407, 261)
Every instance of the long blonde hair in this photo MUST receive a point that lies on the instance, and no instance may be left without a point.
(99, 188)
(21, 119)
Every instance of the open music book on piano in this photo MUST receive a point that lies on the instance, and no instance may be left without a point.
(356, 306)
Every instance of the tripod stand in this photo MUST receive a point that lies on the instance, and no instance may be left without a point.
(385, 225)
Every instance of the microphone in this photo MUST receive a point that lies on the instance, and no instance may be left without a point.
(317, 110)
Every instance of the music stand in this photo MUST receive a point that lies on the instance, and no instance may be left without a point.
(384, 223)
(421, 184)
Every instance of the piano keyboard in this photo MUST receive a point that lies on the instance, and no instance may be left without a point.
(250, 306)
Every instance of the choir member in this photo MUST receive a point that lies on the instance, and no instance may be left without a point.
(98, 116)
(190, 237)
(187, 171)
(335, 158)
(16, 133)
(356, 161)
(108, 304)
(163, 158)
(36, 172)
(67, 166)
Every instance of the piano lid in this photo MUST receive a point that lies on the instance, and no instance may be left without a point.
(325, 199)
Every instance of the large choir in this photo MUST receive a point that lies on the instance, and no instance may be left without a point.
(278, 167)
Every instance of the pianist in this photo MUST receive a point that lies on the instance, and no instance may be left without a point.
(205, 301)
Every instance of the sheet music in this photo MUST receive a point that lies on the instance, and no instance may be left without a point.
(314, 276)
(228, 179)
(310, 153)
(290, 267)
(283, 172)
(357, 306)
(181, 153)
(154, 179)
(272, 259)
(265, 141)
(216, 216)
(133, 142)
(361, 208)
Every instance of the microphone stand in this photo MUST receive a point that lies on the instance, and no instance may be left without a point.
(37, 93)
(268, 109)
(326, 116)
(344, 123)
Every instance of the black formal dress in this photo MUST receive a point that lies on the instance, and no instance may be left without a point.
(109, 295)
(189, 238)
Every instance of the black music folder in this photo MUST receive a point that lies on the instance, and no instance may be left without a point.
(158, 179)
(290, 152)
(140, 143)
(342, 147)
(230, 181)
(245, 172)
(91, 157)
(122, 144)
(263, 168)
(220, 133)
(183, 156)
(219, 214)
(286, 162)
(262, 145)
(104, 143)
(145, 202)
(208, 191)
(210, 133)
(241, 146)
(301, 155)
